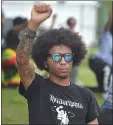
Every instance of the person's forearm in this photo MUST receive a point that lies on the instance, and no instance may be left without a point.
(25, 45)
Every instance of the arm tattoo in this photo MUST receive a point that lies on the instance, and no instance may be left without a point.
(24, 49)
(29, 73)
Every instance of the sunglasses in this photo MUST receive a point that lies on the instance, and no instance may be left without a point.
(56, 57)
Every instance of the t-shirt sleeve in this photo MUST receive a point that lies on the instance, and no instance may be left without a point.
(34, 87)
(93, 107)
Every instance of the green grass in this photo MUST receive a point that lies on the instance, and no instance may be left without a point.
(14, 106)
(85, 74)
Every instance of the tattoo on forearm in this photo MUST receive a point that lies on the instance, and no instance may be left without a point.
(24, 50)
(29, 73)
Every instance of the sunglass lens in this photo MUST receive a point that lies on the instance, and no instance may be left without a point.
(68, 57)
(56, 57)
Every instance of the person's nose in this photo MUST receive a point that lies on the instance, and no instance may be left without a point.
(62, 61)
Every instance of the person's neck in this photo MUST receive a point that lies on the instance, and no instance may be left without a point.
(71, 29)
(59, 81)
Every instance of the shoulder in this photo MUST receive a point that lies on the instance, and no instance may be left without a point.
(37, 80)
(35, 85)
(38, 76)
(87, 95)
(85, 92)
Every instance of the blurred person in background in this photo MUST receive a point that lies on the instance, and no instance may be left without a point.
(12, 39)
(53, 100)
(101, 63)
(71, 24)
(106, 115)
(3, 42)
(10, 76)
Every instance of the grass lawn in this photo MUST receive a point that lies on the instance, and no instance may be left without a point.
(14, 106)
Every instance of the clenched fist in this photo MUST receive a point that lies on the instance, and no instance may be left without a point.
(40, 12)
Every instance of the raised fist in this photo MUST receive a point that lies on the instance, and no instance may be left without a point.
(40, 12)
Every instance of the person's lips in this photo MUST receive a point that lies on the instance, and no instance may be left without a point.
(63, 69)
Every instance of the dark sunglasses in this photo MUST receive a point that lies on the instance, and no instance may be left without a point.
(56, 57)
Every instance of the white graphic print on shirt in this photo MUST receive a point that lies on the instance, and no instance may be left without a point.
(54, 99)
(62, 114)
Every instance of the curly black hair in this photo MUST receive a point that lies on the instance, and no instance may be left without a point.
(60, 36)
(18, 20)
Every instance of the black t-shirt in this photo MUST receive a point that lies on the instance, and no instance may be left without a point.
(50, 103)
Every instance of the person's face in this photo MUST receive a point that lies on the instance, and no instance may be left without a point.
(72, 23)
(61, 68)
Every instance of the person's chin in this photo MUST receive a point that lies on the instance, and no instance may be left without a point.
(63, 75)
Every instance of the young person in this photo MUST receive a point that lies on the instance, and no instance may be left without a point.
(71, 24)
(53, 100)
(101, 62)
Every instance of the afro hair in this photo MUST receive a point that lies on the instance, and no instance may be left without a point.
(61, 36)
